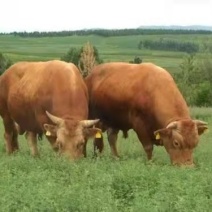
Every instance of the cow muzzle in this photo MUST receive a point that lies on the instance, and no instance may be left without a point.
(182, 158)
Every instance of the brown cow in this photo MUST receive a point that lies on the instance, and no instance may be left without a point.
(145, 98)
(48, 97)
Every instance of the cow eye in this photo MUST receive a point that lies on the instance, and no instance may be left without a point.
(176, 143)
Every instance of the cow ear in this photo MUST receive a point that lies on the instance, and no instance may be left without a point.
(51, 130)
(202, 129)
(162, 133)
(201, 126)
(92, 132)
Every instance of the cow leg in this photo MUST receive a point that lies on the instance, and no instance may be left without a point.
(98, 145)
(32, 141)
(10, 135)
(112, 135)
(143, 136)
(84, 148)
(148, 148)
(146, 143)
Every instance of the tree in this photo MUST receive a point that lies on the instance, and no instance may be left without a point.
(4, 63)
(73, 55)
(87, 59)
(137, 60)
(187, 78)
(195, 80)
(84, 58)
(204, 94)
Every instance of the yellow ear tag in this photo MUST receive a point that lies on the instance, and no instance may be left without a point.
(48, 133)
(98, 135)
(157, 136)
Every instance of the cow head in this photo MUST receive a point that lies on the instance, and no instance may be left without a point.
(180, 138)
(71, 135)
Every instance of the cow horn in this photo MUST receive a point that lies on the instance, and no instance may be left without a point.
(200, 123)
(172, 125)
(88, 123)
(56, 120)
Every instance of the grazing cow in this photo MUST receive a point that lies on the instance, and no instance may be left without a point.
(46, 97)
(145, 98)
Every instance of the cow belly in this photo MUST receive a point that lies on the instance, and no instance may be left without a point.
(22, 112)
(117, 119)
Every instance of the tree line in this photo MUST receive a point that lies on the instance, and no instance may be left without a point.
(109, 32)
(169, 45)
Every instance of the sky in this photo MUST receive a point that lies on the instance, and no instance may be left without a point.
(57, 15)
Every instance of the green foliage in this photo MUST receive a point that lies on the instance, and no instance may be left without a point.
(137, 60)
(74, 54)
(4, 63)
(97, 55)
(195, 80)
(203, 95)
(186, 78)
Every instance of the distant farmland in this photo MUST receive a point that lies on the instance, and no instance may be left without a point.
(117, 48)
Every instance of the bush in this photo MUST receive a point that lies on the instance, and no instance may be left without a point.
(203, 96)
(5, 63)
(195, 80)
(84, 58)
(137, 60)
(73, 55)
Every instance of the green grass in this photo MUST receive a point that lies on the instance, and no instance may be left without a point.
(53, 183)
(120, 48)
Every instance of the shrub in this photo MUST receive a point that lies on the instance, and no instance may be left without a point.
(4, 63)
(84, 58)
(195, 80)
(203, 95)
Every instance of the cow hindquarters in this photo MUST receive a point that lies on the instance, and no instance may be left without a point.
(10, 135)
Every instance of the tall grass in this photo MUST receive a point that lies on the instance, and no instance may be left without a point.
(53, 183)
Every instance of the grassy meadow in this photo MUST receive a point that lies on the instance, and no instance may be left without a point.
(103, 184)
(53, 183)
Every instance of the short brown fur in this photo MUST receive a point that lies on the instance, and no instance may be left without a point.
(143, 97)
(29, 89)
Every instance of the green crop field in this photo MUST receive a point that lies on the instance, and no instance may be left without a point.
(53, 183)
(117, 48)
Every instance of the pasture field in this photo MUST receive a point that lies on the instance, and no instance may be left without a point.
(118, 48)
(53, 183)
